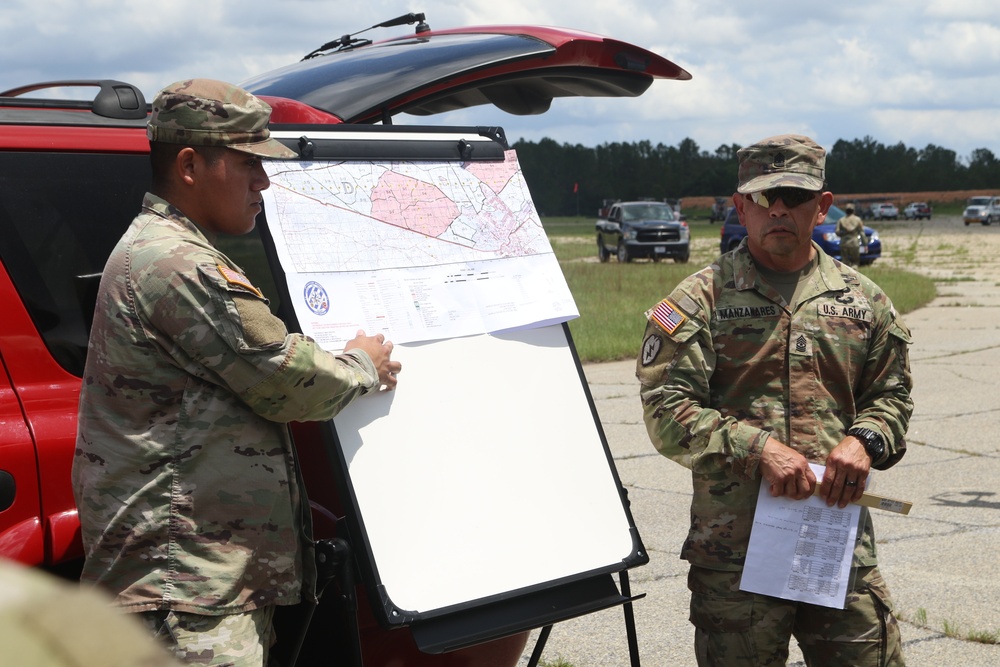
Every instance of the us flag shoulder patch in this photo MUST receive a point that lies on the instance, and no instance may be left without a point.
(237, 278)
(668, 315)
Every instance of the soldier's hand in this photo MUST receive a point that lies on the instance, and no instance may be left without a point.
(786, 470)
(380, 351)
(847, 468)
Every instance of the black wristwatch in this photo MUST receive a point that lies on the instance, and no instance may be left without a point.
(873, 442)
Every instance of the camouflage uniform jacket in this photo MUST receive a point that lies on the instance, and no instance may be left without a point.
(724, 363)
(850, 229)
(189, 493)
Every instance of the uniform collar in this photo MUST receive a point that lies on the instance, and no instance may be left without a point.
(164, 209)
(746, 276)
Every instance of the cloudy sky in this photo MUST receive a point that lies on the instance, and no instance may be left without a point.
(913, 71)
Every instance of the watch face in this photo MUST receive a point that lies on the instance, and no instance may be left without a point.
(875, 448)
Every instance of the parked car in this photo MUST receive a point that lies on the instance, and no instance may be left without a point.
(719, 207)
(917, 210)
(884, 211)
(646, 229)
(825, 235)
(72, 177)
(981, 210)
(863, 210)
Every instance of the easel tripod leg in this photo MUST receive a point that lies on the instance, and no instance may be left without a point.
(633, 639)
(536, 654)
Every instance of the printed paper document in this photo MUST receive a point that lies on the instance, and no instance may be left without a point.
(801, 549)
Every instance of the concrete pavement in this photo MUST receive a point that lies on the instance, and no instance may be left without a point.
(940, 561)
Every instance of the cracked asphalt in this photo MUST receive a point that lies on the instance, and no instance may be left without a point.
(940, 561)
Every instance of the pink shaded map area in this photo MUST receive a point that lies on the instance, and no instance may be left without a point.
(495, 175)
(411, 204)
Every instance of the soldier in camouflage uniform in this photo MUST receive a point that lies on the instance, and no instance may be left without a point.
(191, 501)
(851, 230)
(773, 356)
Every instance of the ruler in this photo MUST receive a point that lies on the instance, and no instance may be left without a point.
(879, 502)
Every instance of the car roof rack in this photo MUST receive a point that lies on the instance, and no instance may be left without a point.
(115, 99)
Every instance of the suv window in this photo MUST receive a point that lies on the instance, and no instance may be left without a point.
(61, 215)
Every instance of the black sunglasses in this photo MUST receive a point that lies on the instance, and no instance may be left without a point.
(792, 197)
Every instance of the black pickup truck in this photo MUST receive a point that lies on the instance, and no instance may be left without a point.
(647, 229)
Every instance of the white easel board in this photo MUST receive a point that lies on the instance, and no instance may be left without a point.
(485, 477)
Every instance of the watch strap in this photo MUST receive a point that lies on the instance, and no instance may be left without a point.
(873, 442)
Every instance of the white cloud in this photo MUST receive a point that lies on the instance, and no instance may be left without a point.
(964, 48)
(983, 10)
(917, 71)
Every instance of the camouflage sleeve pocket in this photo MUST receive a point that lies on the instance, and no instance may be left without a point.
(899, 330)
(261, 329)
(900, 335)
(249, 320)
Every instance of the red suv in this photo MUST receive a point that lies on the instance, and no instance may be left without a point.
(73, 174)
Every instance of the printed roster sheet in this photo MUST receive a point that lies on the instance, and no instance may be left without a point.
(801, 549)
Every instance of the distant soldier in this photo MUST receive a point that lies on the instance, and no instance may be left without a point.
(192, 507)
(851, 230)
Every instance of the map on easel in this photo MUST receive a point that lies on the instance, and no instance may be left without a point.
(414, 250)
(481, 489)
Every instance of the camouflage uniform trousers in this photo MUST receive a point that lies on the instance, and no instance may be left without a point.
(850, 253)
(231, 640)
(739, 629)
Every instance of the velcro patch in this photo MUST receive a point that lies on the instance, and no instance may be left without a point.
(801, 344)
(650, 348)
(668, 315)
(727, 313)
(237, 278)
(841, 310)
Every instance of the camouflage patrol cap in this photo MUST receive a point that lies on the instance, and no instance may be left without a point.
(787, 160)
(204, 112)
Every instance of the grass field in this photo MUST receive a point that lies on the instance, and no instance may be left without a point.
(612, 297)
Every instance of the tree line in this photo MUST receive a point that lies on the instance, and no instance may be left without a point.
(567, 179)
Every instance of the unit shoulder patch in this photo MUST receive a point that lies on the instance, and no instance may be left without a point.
(650, 348)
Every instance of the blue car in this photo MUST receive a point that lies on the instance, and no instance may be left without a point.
(824, 235)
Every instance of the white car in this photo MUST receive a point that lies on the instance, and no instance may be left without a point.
(884, 211)
(917, 210)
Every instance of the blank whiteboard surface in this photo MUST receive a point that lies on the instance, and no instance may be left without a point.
(484, 472)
